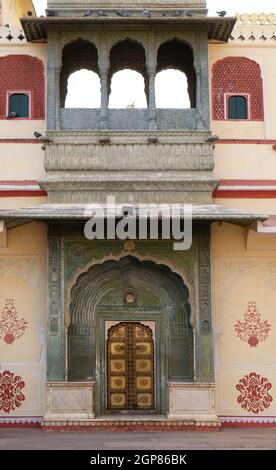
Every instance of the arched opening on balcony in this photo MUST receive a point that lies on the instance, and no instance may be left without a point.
(127, 80)
(171, 89)
(127, 90)
(82, 57)
(175, 76)
(83, 90)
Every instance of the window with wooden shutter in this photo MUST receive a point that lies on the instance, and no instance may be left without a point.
(237, 107)
(19, 105)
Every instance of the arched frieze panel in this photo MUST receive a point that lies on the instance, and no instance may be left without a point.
(80, 275)
(139, 37)
(187, 37)
(68, 37)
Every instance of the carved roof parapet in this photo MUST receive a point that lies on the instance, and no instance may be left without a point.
(253, 28)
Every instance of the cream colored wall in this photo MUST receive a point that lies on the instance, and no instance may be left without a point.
(263, 206)
(240, 276)
(12, 10)
(23, 279)
(248, 161)
(19, 202)
(245, 161)
(264, 56)
(21, 162)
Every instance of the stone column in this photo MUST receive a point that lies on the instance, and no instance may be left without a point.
(104, 99)
(55, 320)
(152, 100)
(53, 103)
(204, 342)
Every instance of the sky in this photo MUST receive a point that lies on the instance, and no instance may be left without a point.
(126, 96)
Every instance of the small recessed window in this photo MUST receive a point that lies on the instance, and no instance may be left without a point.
(19, 105)
(237, 107)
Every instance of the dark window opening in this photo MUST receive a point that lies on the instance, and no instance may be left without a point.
(237, 107)
(19, 105)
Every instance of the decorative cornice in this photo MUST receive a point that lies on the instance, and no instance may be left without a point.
(253, 28)
(256, 19)
(219, 29)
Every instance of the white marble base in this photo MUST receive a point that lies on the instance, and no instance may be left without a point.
(70, 400)
(192, 402)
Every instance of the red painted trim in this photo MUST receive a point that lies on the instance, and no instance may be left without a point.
(21, 141)
(247, 182)
(26, 193)
(20, 425)
(248, 425)
(18, 182)
(246, 141)
(239, 194)
(125, 428)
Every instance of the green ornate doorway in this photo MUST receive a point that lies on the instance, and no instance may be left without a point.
(132, 292)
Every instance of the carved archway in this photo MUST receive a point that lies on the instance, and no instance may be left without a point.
(158, 288)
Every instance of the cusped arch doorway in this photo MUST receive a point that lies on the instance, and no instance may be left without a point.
(145, 298)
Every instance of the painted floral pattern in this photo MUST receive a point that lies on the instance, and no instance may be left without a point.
(11, 327)
(254, 396)
(252, 330)
(11, 395)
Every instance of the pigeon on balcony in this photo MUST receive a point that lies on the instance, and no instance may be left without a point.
(88, 13)
(101, 13)
(123, 14)
(146, 13)
(51, 13)
(222, 13)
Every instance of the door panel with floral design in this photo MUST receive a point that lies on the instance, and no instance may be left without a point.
(130, 367)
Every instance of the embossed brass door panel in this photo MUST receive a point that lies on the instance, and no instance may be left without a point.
(130, 367)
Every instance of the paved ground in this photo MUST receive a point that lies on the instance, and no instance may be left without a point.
(35, 439)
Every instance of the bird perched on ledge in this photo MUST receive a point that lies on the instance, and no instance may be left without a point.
(146, 13)
(123, 14)
(88, 13)
(37, 135)
(174, 14)
(222, 13)
(101, 13)
(51, 13)
(12, 114)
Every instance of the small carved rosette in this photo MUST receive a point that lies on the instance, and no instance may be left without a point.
(11, 327)
(252, 330)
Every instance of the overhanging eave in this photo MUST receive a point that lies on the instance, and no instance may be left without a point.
(82, 212)
(36, 29)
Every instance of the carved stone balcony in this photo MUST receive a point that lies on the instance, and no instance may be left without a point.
(141, 167)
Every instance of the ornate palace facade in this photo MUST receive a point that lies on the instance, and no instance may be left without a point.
(131, 333)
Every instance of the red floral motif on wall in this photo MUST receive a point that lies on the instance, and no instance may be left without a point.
(237, 75)
(254, 396)
(11, 395)
(11, 327)
(252, 329)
